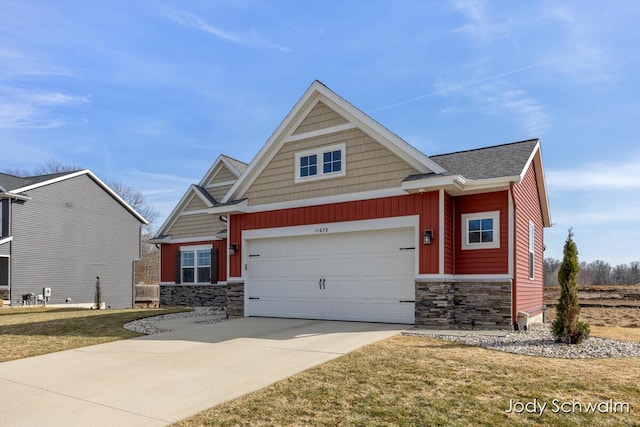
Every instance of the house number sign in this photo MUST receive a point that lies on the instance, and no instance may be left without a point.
(322, 229)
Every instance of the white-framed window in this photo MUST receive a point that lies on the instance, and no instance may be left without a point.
(532, 239)
(195, 264)
(320, 163)
(481, 230)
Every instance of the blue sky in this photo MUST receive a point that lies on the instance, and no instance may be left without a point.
(150, 92)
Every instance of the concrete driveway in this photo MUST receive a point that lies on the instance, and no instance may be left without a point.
(163, 378)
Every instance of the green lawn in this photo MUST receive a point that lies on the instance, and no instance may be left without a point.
(26, 332)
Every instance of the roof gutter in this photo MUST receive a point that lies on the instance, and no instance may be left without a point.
(14, 196)
(235, 208)
(457, 182)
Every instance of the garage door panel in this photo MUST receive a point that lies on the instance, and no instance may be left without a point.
(293, 308)
(388, 289)
(291, 266)
(295, 286)
(373, 312)
(345, 276)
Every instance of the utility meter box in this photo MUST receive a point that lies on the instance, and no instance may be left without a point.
(46, 292)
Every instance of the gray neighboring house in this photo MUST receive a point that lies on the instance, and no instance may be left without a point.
(60, 231)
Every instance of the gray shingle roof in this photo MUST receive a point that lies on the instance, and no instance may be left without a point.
(484, 163)
(12, 182)
(206, 194)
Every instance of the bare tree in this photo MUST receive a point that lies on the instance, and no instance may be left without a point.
(634, 273)
(551, 268)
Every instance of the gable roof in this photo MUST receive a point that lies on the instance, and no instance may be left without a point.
(19, 186)
(236, 167)
(317, 92)
(489, 162)
(11, 182)
(498, 161)
(484, 168)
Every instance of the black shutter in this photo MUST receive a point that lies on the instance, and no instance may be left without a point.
(178, 266)
(214, 265)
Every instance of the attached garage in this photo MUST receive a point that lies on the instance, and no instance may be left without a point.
(358, 275)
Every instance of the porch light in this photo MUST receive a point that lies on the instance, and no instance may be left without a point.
(427, 237)
(233, 249)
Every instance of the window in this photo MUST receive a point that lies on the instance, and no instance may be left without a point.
(4, 218)
(204, 266)
(481, 230)
(308, 166)
(332, 161)
(531, 249)
(319, 163)
(195, 265)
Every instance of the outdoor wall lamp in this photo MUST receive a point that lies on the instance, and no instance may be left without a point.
(233, 249)
(427, 237)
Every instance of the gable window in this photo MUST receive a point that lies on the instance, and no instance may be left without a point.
(332, 161)
(531, 249)
(308, 165)
(195, 264)
(481, 230)
(320, 163)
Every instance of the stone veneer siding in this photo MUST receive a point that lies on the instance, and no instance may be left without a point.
(193, 296)
(235, 300)
(463, 305)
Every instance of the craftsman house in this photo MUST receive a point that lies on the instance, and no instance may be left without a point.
(61, 231)
(338, 218)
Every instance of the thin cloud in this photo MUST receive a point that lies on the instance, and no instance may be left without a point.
(32, 109)
(583, 56)
(527, 110)
(445, 89)
(596, 176)
(252, 39)
(480, 27)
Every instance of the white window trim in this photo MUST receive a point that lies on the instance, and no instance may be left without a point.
(194, 249)
(495, 216)
(532, 244)
(319, 151)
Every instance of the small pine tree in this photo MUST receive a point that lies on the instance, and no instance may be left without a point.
(567, 326)
(98, 293)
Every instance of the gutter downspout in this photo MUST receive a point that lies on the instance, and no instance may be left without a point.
(514, 278)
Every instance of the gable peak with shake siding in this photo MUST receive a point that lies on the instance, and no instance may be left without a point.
(322, 118)
(190, 218)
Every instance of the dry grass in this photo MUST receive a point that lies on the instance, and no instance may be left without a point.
(615, 323)
(419, 381)
(34, 331)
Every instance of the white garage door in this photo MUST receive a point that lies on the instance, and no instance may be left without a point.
(363, 276)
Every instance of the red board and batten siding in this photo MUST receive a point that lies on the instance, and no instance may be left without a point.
(448, 235)
(425, 205)
(167, 255)
(528, 293)
(482, 261)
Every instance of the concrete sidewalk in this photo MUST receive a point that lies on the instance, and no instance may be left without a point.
(163, 378)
